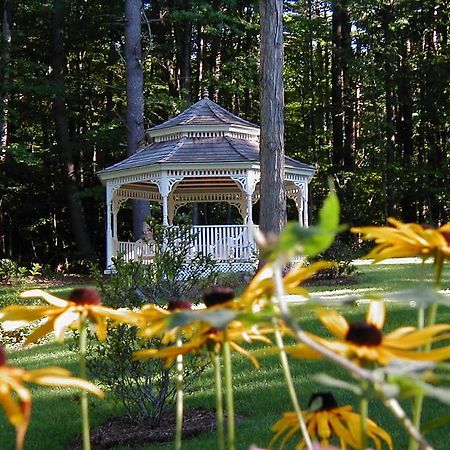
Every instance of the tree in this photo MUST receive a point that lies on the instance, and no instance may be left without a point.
(273, 198)
(135, 98)
(62, 135)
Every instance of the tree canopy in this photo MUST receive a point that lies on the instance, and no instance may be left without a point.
(366, 100)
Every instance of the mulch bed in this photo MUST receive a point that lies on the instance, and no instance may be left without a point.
(338, 281)
(126, 431)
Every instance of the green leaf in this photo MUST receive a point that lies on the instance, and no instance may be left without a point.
(310, 241)
(219, 318)
(436, 423)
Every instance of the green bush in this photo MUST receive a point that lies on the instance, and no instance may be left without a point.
(146, 389)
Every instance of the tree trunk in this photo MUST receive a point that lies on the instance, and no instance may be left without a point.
(273, 198)
(4, 75)
(389, 175)
(405, 136)
(135, 98)
(183, 37)
(337, 82)
(63, 142)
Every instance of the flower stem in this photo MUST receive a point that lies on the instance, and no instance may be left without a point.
(284, 359)
(229, 393)
(215, 359)
(431, 320)
(364, 412)
(179, 405)
(83, 395)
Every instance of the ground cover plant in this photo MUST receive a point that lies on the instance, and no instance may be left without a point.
(355, 355)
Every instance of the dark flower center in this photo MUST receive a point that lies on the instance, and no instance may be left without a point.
(2, 356)
(364, 333)
(217, 296)
(85, 296)
(446, 236)
(322, 401)
(179, 304)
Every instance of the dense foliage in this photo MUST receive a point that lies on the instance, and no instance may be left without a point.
(367, 102)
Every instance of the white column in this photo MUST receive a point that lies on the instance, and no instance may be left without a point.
(305, 204)
(165, 220)
(164, 190)
(249, 209)
(109, 235)
(300, 207)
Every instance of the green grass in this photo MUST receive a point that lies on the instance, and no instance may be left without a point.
(260, 395)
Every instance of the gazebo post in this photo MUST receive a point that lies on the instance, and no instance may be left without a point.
(305, 204)
(109, 235)
(164, 190)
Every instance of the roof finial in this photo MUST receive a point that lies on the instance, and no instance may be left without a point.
(205, 93)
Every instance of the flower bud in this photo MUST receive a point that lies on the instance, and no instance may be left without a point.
(217, 296)
(2, 356)
(179, 304)
(85, 296)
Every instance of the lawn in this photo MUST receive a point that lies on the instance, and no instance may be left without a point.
(260, 395)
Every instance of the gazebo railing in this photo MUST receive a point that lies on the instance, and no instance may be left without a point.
(224, 243)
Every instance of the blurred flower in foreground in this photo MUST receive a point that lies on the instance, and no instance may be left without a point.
(61, 314)
(326, 420)
(15, 398)
(406, 240)
(208, 338)
(262, 284)
(365, 341)
(201, 335)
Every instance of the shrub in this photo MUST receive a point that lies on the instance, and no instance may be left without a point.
(342, 253)
(146, 389)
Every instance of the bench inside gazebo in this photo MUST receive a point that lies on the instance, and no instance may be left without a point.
(206, 154)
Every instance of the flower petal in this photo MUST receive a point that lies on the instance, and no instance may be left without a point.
(418, 338)
(323, 428)
(335, 322)
(376, 314)
(49, 298)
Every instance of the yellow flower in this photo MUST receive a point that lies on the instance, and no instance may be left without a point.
(156, 321)
(329, 421)
(207, 337)
(15, 398)
(365, 341)
(406, 240)
(262, 284)
(61, 314)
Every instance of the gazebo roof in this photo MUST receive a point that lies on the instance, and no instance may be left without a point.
(205, 112)
(205, 150)
(204, 134)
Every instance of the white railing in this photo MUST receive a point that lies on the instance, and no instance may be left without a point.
(225, 243)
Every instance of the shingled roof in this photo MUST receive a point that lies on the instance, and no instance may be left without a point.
(205, 112)
(198, 150)
(228, 139)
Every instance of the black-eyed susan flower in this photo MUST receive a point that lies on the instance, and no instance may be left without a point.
(406, 240)
(364, 341)
(326, 421)
(208, 338)
(200, 334)
(15, 398)
(262, 285)
(61, 314)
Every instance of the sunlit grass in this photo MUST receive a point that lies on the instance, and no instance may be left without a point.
(260, 395)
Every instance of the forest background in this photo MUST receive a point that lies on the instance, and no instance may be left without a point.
(367, 102)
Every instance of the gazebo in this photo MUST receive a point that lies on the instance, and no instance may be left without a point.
(205, 154)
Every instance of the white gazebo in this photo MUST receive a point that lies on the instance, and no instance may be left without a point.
(205, 154)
